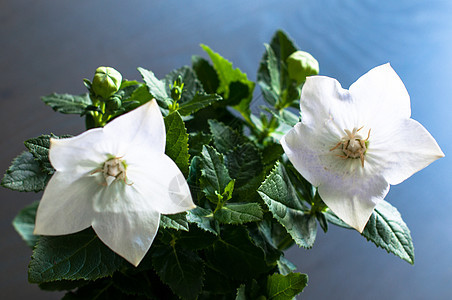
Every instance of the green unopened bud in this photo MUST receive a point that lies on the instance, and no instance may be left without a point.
(300, 65)
(176, 90)
(106, 82)
(114, 103)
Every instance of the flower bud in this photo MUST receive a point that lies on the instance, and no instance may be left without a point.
(114, 103)
(106, 82)
(300, 65)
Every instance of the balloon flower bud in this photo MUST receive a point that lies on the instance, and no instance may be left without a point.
(114, 103)
(300, 65)
(106, 82)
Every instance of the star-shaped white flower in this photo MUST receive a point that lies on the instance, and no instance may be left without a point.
(116, 179)
(352, 144)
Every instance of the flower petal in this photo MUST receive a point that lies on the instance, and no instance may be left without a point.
(79, 154)
(66, 205)
(403, 150)
(158, 179)
(141, 127)
(381, 96)
(325, 103)
(128, 233)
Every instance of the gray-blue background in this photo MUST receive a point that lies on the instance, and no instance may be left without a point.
(49, 46)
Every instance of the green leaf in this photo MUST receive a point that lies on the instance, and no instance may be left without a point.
(176, 221)
(239, 213)
(206, 74)
(199, 101)
(102, 289)
(177, 141)
(62, 285)
(228, 75)
(387, 230)
(67, 104)
(39, 147)
(225, 138)
(145, 284)
(245, 166)
(283, 202)
(196, 141)
(196, 239)
(214, 175)
(285, 287)
(285, 266)
(191, 84)
(241, 293)
(181, 270)
(24, 223)
(71, 257)
(25, 175)
(235, 255)
(155, 87)
(203, 218)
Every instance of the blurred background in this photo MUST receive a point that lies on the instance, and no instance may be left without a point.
(50, 46)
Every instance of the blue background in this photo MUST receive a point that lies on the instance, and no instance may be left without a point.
(49, 46)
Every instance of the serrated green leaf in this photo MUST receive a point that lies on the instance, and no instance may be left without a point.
(225, 138)
(261, 234)
(71, 257)
(155, 87)
(181, 270)
(235, 255)
(387, 230)
(192, 85)
(25, 175)
(39, 147)
(285, 266)
(283, 202)
(245, 166)
(215, 176)
(66, 103)
(24, 223)
(206, 74)
(239, 213)
(228, 75)
(176, 221)
(177, 141)
(241, 295)
(196, 140)
(199, 101)
(196, 239)
(203, 218)
(285, 287)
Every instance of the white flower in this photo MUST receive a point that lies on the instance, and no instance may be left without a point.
(116, 179)
(352, 144)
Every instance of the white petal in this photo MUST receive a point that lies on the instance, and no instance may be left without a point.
(141, 127)
(79, 154)
(67, 204)
(128, 233)
(158, 179)
(381, 96)
(403, 150)
(325, 103)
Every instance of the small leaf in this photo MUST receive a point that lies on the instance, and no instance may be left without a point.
(67, 104)
(71, 257)
(181, 270)
(177, 141)
(176, 221)
(283, 202)
(215, 177)
(205, 73)
(235, 255)
(199, 101)
(203, 218)
(241, 293)
(155, 87)
(387, 230)
(239, 213)
(285, 266)
(196, 239)
(196, 140)
(225, 138)
(24, 223)
(25, 175)
(285, 287)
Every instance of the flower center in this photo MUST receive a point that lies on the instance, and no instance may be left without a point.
(113, 169)
(353, 145)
